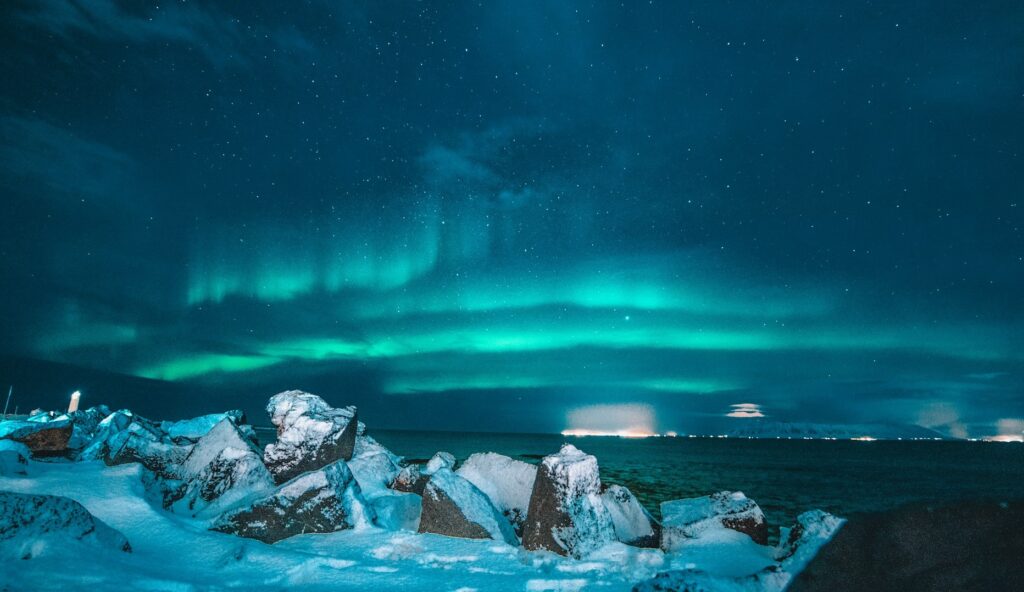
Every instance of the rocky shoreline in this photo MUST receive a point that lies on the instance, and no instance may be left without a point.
(324, 473)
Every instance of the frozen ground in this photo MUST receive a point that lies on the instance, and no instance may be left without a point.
(171, 552)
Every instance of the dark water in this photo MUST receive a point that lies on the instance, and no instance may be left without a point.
(785, 477)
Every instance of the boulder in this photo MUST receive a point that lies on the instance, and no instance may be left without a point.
(633, 524)
(798, 545)
(440, 460)
(566, 513)
(13, 458)
(99, 445)
(374, 471)
(137, 445)
(222, 468)
(452, 506)
(506, 481)
(691, 518)
(325, 500)
(310, 434)
(410, 480)
(43, 438)
(35, 525)
(85, 423)
(189, 431)
(964, 547)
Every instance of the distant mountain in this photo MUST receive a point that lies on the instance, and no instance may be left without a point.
(759, 428)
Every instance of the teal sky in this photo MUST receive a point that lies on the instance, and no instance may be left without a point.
(497, 216)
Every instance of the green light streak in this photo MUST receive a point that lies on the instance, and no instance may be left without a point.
(205, 364)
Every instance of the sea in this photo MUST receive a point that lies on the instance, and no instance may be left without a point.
(785, 477)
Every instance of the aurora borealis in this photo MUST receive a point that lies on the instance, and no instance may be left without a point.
(499, 215)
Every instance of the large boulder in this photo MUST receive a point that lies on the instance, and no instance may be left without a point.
(189, 431)
(965, 547)
(452, 506)
(506, 481)
(633, 524)
(325, 500)
(310, 434)
(43, 438)
(13, 458)
(686, 519)
(798, 545)
(566, 513)
(35, 525)
(84, 425)
(99, 445)
(222, 468)
(137, 444)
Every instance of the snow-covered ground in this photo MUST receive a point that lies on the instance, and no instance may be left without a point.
(172, 552)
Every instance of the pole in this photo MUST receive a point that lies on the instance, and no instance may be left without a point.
(9, 391)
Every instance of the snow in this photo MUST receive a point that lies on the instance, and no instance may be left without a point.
(506, 481)
(474, 504)
(629, 518)
(13, 458)
(221, 436)
(310, 433)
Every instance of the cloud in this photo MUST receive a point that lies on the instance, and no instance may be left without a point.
(220, 37)
(745, 410)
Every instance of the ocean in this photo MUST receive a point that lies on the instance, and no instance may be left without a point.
(785, 477)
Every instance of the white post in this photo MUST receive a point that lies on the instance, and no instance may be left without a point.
(8, 402)
(75, 396)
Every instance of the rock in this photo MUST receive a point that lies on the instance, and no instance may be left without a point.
(35, 525)
(965, 547)
(310, 434)
(137, 444)
(452, 506)
(222, 468)
(13, 458)
(633, 524)
(99, 446)
(43, 438)
(440, 460)
(506, 481)
(566, 513)
(189, 431)
(84, 425)
(798, 545)
(398, 511)
(410, 480)
(325, 500)
(690, 518)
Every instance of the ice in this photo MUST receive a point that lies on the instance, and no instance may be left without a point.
(440, 460)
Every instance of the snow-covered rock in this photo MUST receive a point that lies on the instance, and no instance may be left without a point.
(13, 458)
(190, 430)
(222, 468)
(691, 518)
(138, 444)
(410, 480)
(798, 546)
(325, 500)
(506, 481)
(99, 445)
(310, 434)
(452, 506)
(43, 438)
(85, 424)
(633, 524)
(440, 460)
(35, 525)
(566, 513)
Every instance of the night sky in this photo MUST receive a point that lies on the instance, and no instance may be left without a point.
(524, 216)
